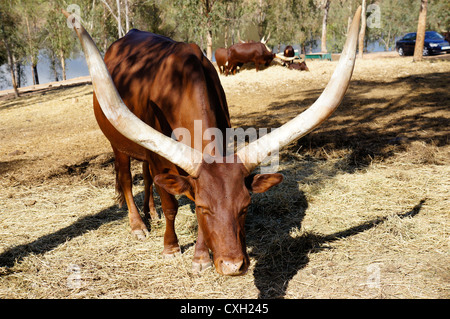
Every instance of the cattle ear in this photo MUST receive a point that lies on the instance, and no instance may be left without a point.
(260, 183)
(175, 184)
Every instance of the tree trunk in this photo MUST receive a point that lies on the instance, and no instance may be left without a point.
(420, 38)
(119, 22)
(326, 7)
(33, 68)
(63, 63)
(105, 39)
(53, 67)
(127, 21)
(349, 23)
(91, 23)
(209, 45)
(225, 36)
(17, 70)
(362, 31)
(32, 58)
(260, 18)
(8, 55)
(35, 74)
(11, 68)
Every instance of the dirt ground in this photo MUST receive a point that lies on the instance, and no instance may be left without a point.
(363, 211)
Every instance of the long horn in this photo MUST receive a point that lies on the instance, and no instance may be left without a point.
(255, 152)
(282, 57)
(123, 119)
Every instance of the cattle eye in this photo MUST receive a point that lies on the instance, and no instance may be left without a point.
(205, 211)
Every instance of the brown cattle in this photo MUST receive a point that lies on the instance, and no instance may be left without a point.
(221, 56)
(155, 86)
(241, 53)
(298, 66)
(289, 51)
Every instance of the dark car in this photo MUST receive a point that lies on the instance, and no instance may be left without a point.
(434, 43)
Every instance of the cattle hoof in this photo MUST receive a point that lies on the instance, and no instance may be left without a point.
(171, 255)
(140, 234)
(200, 267)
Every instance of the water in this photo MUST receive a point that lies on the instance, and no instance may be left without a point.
(75, 67)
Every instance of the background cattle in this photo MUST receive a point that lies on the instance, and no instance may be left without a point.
(289, 51)
(289, 60)
(298, 66)
(221, 56)
(241, 53)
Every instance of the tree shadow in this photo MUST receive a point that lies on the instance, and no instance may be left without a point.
(7, 166)
(365, 128)
(368, 126)
(83, 225)
(49, 242)
(28, 97)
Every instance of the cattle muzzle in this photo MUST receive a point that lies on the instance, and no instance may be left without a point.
(232, 266)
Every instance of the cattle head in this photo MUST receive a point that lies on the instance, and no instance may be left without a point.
(221, 192)
(220, 186)
(289, 51)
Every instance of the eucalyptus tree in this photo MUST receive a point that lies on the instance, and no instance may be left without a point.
(59, 40)
(10, 43)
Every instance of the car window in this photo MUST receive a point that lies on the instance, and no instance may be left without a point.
(433, 36)
(410, 36)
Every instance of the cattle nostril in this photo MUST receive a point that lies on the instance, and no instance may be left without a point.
(232, 268)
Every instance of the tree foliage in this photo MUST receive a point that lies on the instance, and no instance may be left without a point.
(36, 27)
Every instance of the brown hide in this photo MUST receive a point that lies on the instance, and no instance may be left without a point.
(298, 66)
(221, 56)
(169, 85)
(289, 51)
(241, 53)
(157, 82)
(161, 81)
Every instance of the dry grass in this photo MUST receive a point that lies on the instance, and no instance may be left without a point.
(362, 213)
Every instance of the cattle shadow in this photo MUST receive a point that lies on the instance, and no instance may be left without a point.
(349, 133)
(279, 256)
(269, 224)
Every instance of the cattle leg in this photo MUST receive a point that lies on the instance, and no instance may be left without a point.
(169, 206)
(149, 203)
(124, 186)
(201, 259)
